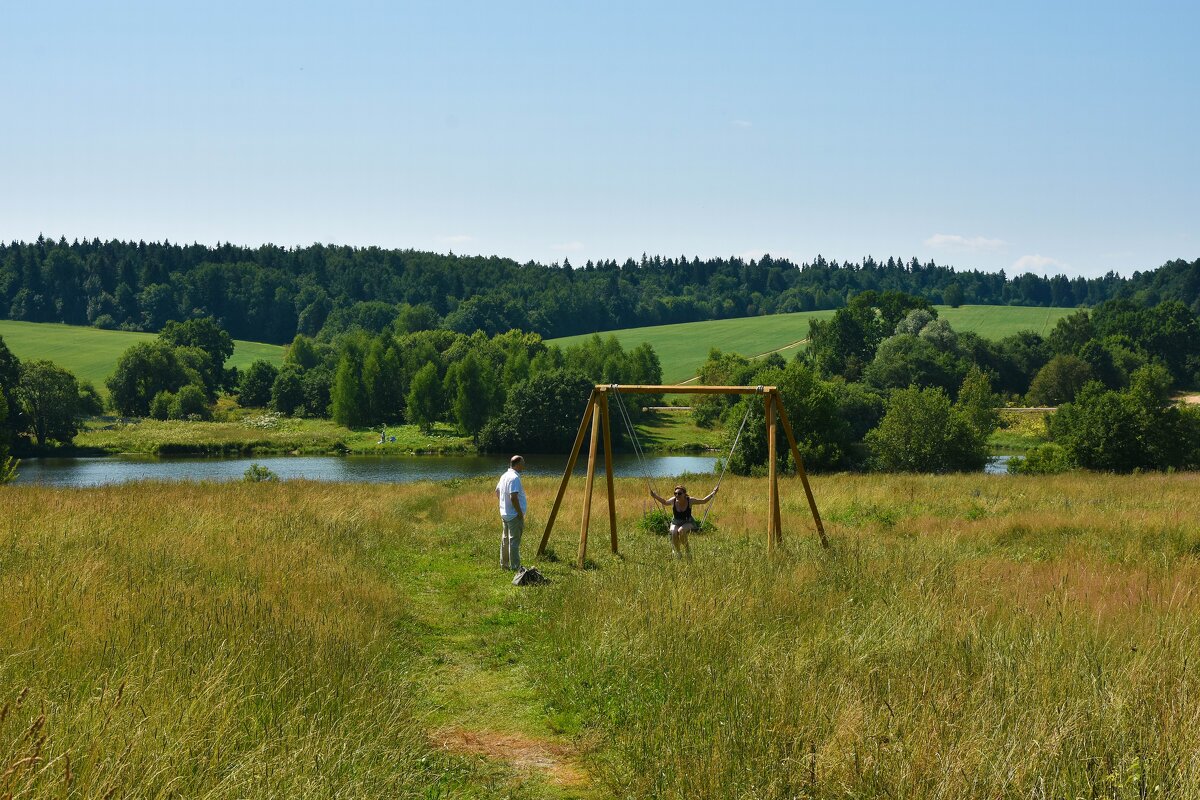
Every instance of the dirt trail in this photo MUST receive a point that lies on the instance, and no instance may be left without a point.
(556, 762)
(756, 355)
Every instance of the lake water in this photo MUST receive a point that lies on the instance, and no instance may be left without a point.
(368, 469)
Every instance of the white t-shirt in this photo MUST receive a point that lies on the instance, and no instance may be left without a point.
(511, 482)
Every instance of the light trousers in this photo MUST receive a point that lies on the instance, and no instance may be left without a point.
(510, 543)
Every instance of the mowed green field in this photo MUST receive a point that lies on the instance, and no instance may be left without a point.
(682, 348)
(91, 354)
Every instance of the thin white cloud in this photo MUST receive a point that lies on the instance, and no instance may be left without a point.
(970, 244)
(569, 247)
(1036, 262)
(743, 123)
(460, 238)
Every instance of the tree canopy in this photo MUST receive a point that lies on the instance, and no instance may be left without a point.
(271, 293)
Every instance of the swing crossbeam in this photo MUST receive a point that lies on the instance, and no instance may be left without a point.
(596, 416)
(633, 388)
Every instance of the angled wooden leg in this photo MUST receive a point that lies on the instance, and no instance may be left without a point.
(772, 485)
(608, 470)
(812, 503)
(775, 497)
(591, 477)
(562, 487)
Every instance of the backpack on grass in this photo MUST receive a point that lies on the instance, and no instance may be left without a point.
(528, 576)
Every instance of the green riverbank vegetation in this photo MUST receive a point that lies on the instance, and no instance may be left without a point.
(264, 433)
(885, 384)
(963, 636)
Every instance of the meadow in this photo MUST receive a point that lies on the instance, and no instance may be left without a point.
(683, 348)
(964, 636)
(91, 353)
(260, 432)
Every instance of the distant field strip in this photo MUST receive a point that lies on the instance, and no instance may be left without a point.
(682, 348)
(91, 354)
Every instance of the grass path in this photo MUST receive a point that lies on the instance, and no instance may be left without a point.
(479, 695)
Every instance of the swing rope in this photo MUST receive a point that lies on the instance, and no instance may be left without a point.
(637, 445)
(725, 467)
(637, 449)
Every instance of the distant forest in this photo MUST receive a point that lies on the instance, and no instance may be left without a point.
(271, 293)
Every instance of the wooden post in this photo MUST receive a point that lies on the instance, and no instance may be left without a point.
(812, 503)
(591, 477)
(606, 430)
(775, 483)
(769, 403)
(562, 487)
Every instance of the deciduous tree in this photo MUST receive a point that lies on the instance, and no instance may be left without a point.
(50, 400)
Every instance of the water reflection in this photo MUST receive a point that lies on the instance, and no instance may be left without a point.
(368, 469)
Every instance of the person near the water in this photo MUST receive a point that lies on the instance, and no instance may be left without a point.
(682, 522)
(510, 494)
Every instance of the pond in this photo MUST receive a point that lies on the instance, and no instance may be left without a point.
(368, 469)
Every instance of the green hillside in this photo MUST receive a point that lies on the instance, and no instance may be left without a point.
(91, 354)
(682, 348)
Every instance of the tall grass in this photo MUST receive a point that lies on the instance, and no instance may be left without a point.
(199, 640)
(964, 637)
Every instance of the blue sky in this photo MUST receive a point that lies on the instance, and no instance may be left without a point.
(1043, 136)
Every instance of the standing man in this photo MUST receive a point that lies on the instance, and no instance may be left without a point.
(513, 505)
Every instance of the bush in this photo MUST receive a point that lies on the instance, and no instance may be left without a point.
(257, 473)
(8, 469)
(190, 403)
(287, 392)
(1059, 381)
(91, 404)
(541, 415)
(923, 432)
(656, 522)
(1138, 428)
(254, 390)
(822, 435)
(160, 406)
(1046, 459)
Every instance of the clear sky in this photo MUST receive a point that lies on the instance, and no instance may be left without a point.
(1051, 136)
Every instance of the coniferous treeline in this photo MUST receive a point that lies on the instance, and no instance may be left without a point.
(271, 293)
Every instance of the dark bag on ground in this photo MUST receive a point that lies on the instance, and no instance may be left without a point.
(528, 576)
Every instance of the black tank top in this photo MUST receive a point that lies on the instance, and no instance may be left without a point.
(682, 516)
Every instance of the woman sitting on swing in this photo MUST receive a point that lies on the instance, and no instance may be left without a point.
(682, 522)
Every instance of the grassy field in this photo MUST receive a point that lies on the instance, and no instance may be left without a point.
(682, 348)
(91, 354)
(263, 433)
(965, 636)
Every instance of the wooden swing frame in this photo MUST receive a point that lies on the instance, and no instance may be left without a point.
(596, 415)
